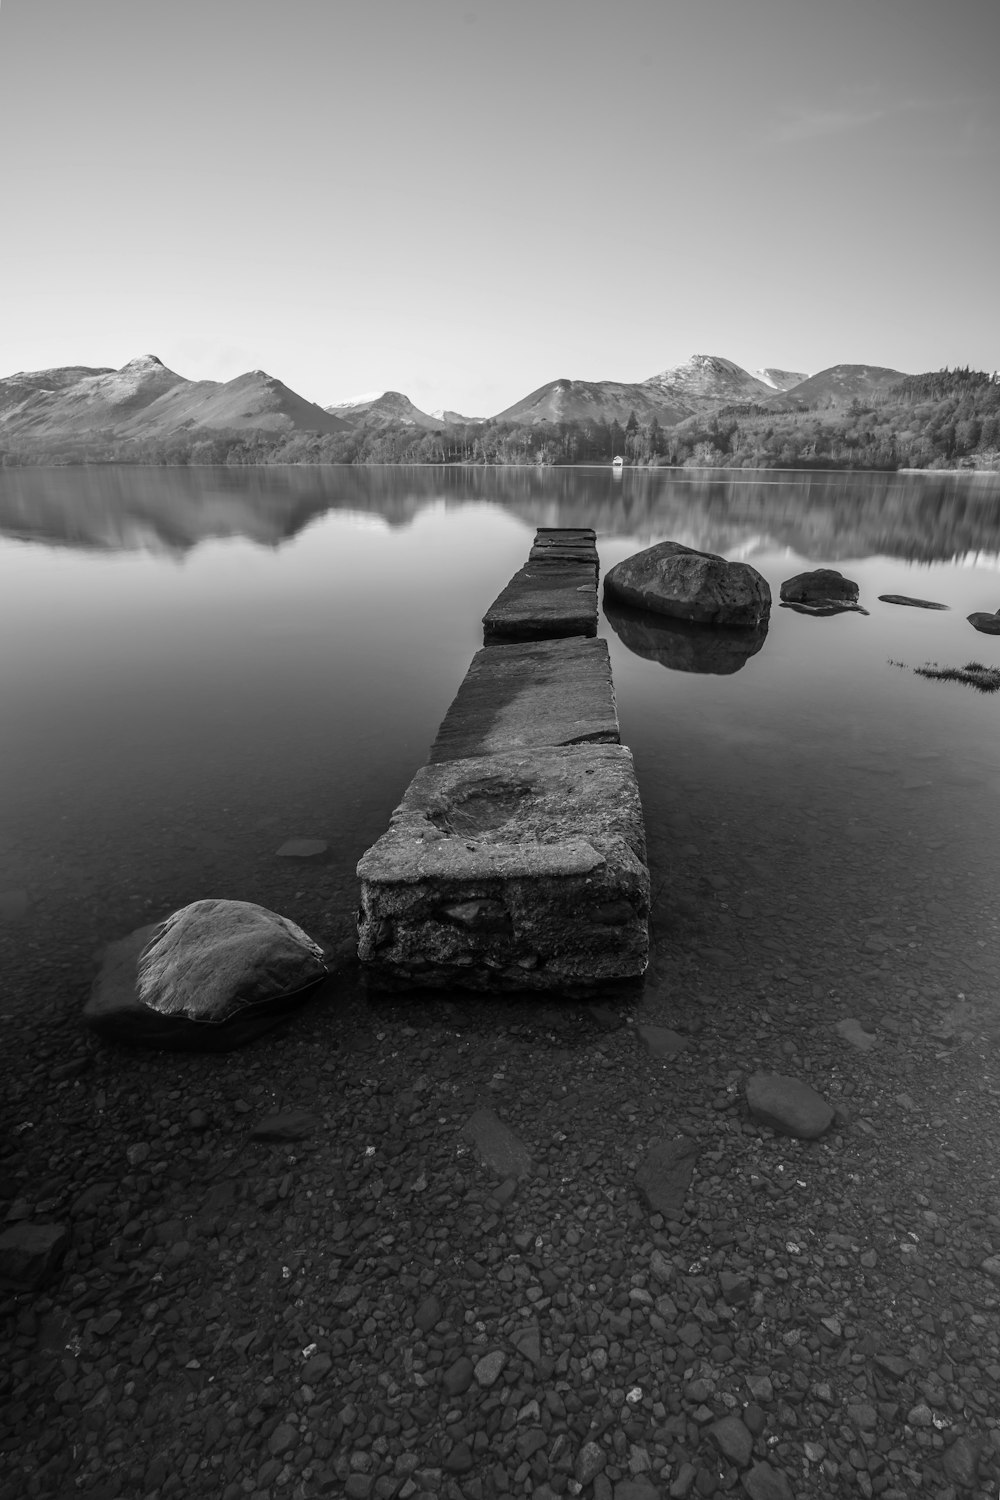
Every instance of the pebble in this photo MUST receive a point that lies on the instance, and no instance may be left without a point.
(458, 1377)
(760, 1387)
(854, 1033)
(427, 1314)
(733, 1440)
(661, 1041)
(488, 1368)
(961, 1462)
(763, 1482)
(590, 1460)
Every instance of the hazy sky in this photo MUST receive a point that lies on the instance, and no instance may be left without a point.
(464, 199)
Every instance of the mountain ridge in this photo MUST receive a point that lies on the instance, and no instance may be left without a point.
(145, 401)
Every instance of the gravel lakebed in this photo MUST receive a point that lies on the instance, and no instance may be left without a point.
(296, 1269)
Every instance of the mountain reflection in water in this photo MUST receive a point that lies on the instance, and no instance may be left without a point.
(920, 517)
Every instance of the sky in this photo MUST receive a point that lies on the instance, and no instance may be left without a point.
(465, 199)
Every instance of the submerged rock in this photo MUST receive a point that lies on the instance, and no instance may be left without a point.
(823, 591)
(831, 607)
(916, 603)
(664, 1174)
(681, 645)
(30, 1254)
(855, 1034)
(302, 848)
(820, 586)
(497, 1144)
(671, 579)
(212, 976)
(788, 1106)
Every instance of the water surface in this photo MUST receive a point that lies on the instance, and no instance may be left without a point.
(198, 664)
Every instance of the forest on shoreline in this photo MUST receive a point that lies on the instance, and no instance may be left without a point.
(948, 419)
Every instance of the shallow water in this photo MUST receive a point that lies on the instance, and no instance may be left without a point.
(200, 664)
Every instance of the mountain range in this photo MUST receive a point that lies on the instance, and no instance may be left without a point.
(144, 400)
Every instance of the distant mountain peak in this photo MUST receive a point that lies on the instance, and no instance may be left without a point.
(707, 380)
(384, 406)
(143, 364)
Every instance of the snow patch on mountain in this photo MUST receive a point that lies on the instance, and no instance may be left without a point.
(780, 380)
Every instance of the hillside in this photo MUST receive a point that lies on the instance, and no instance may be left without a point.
(61, 403)
(841, 384)
(74, 409)
(25, 385)
(593, 401)
(255, 401)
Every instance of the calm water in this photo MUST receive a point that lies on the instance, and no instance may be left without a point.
(199, 664)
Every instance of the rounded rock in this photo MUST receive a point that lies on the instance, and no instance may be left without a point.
(671, 579)
(589, 1463)
(458, 1377)
(733, 1440)
(487, 1369)
(788, 1106)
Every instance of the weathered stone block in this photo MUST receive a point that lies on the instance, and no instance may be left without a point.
(556, 692)
(524, 870)
(554, 594)
(564, 544)
(544, 599)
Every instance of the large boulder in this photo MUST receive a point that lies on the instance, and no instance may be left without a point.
(671, 579)
(823, 591)
(681, 646)
(212, 976)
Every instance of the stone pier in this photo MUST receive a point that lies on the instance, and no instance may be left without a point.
(516, 859)
(554, 594)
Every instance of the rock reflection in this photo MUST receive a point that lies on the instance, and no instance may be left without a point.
(682, 646)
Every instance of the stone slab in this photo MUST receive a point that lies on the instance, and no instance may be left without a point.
(565, 544)
(554, 594)
(555, 692)
(519, 871)
(544, 599)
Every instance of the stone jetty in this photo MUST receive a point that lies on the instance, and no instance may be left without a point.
(554, 594)
(516, 859)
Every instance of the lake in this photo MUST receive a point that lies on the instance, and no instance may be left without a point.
(199, 664)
